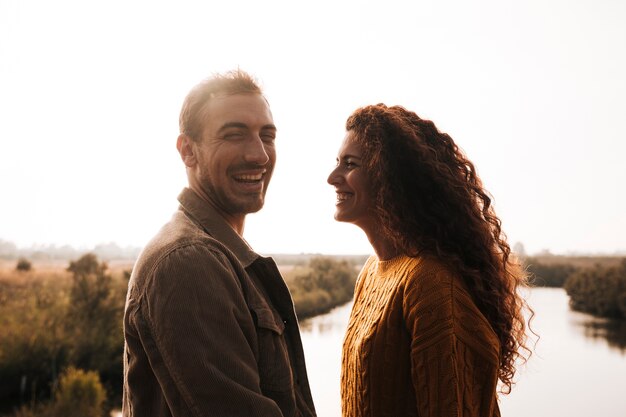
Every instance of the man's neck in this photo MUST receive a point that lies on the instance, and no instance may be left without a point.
(236, 221)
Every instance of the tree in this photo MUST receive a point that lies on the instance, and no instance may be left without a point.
(95, 319)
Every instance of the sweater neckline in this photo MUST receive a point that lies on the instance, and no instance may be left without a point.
(383, 266)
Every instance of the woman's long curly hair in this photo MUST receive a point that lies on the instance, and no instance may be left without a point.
(429, 200)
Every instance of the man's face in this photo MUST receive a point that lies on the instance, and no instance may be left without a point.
(236, 155)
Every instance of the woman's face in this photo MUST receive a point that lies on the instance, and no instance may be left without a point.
(354, 194)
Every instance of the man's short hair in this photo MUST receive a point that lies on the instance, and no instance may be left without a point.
(193, 111)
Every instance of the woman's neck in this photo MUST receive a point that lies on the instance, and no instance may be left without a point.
(382, 245)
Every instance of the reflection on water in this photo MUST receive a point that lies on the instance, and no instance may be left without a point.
(578, 368)
(322, 337)
(604, 330)
(335, 321)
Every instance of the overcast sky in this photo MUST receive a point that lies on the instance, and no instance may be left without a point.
(533, 91)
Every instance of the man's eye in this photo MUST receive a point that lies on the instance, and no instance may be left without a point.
(233, 136)
(268, 137)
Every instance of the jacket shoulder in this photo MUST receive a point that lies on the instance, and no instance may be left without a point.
(179, 240)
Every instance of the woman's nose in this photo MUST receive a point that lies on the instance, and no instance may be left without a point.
(334, 178)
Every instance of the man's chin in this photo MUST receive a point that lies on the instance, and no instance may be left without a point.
(253, 207)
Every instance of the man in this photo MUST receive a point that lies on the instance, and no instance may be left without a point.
(209, 325)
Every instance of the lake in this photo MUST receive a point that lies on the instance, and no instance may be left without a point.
(578, 368)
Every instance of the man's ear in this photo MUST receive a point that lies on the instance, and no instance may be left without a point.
(186, 149)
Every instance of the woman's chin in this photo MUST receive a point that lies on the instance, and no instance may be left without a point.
(340, 217)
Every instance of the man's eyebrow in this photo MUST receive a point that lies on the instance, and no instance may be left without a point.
(229, 125)
(241, 125)
(269, 127)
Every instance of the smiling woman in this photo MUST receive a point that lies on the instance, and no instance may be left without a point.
(436, 312)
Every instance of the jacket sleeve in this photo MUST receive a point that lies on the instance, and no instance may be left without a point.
(197, 330)
(454, 356)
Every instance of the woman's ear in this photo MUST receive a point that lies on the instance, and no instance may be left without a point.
(186, 149)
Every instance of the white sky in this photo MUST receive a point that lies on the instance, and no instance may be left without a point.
(533, 91)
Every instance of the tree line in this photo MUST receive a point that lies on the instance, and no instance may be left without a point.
(596, 286)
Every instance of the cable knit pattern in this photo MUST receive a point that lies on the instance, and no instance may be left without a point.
(416, 345)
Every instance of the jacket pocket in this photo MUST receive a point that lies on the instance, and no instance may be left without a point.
(274, 364)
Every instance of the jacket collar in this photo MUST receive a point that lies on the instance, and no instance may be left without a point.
(215, 225)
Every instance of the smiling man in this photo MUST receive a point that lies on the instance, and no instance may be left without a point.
(209, 324)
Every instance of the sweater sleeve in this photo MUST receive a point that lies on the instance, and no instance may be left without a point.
(454, 352)
(200, 338)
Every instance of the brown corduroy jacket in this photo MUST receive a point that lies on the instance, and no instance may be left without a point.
(209, 326)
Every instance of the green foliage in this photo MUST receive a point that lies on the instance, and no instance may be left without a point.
(600, 290)
(80, 393)
(549, 275)
(73, 319)
(23, 265)
(94, 316)
(322, 285)
(94, 320)
(33, 343)
(50, 324)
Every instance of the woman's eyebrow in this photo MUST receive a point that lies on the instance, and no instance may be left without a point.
(347, 156)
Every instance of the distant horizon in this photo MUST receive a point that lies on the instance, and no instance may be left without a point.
(136, 248)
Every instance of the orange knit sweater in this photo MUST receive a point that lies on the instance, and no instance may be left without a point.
(416, 345)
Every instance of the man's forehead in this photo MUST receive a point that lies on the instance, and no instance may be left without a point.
(238, 108)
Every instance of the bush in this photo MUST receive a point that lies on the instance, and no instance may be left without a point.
(79, 394)
(600, 291)
(323, 284)
(23, 265)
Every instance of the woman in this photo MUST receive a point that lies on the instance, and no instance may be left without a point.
(437, 320)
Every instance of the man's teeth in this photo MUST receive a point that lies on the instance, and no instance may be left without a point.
(342, 196)
(249, 177)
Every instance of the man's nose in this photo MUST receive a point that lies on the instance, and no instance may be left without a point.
(255, 151)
